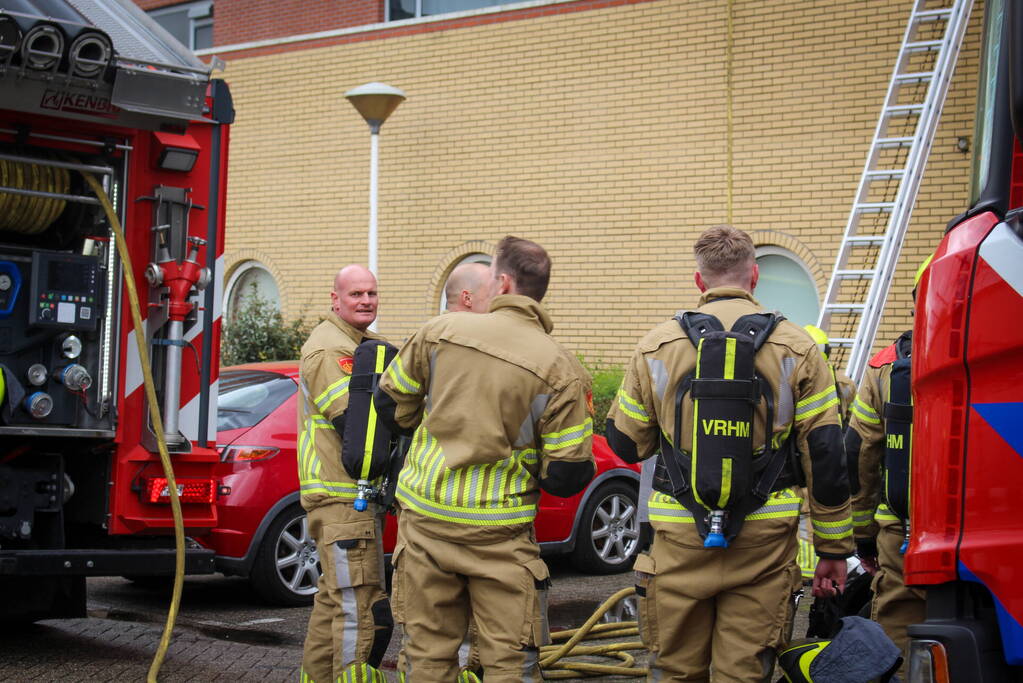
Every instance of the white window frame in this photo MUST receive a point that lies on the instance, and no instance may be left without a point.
(236, 275)
(771, 250)
(418, 14)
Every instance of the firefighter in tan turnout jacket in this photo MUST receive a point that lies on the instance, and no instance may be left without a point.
(350, 624)
(702, 604)
(878, 444)
(499, 411)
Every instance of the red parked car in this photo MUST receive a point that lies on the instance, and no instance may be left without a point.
(262, 529)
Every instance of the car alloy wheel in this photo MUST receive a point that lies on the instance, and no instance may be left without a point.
(287, 569)
(608, 531)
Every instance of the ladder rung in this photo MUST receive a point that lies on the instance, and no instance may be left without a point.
(865, 239)
(905, 109)
(886, 173)
(855, 274)
(922, 46)
(874, 207)
(841, 341)
(932, 14)
(914, 76)
(894, 142)
(849, 308)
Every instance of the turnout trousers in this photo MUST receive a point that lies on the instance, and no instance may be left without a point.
(895, 605)
(726, 607)
(351, 623)
(438, 585)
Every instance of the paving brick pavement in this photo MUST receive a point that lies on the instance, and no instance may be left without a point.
(104, 649)
(222, 642)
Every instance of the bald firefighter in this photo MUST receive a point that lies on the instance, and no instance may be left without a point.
(467, 288)
(730, 395)
(350, 624)
(500, 412)
(879, 443)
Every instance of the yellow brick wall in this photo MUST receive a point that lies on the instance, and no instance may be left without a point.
(600, 134)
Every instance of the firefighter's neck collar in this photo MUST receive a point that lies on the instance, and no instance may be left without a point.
(718, 293)
(524, 306)
(351, 332)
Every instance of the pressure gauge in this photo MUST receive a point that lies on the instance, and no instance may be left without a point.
(72, 346)
(37, 374)
(5, 282)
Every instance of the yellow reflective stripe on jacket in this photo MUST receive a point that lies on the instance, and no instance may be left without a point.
(885, 514)
(309, 466)
(781, 504)
(308, 461)
(405, 384)
(831, 530)
(335, 489)
(476, 516)
(573, 436)
(485, 494)
(332, 393)
(862, 518)
(806, 558)
(865, 412)
(632, 407)
(818, 403)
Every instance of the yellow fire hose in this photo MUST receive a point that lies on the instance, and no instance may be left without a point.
(154, 416)
(553, 657)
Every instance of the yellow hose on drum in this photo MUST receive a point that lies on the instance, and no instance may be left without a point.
(26, 214)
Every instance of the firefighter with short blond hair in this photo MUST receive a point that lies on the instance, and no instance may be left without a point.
(350, 624)
(500, 412)
(731, 395)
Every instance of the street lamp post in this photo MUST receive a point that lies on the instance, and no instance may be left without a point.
(375, 102)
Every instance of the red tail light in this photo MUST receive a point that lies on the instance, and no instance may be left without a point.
(248, 453)
(155, 490)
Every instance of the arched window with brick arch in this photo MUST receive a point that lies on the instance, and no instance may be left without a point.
(787, 285)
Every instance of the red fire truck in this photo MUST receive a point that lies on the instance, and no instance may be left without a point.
(967, 469)
(95, 89)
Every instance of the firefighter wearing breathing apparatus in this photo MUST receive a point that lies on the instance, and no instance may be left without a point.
(879, 444)
(730, 395)
(500, 411)
(350, 624)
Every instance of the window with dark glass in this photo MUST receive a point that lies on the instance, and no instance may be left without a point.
(190, 22)
(409, 9)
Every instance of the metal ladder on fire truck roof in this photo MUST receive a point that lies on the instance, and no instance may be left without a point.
(891, 178)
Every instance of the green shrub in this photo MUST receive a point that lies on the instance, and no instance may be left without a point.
(257, 332)
(606, 381)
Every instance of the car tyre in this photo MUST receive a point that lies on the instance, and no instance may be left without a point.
(608, 533)
(286, 569)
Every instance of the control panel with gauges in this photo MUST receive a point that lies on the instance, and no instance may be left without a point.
(65, 292)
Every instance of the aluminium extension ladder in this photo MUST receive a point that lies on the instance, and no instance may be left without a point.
(891, 178)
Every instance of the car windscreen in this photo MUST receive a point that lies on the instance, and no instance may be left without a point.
(247, 396)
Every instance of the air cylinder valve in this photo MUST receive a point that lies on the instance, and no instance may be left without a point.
(716, 535)
(75, 378)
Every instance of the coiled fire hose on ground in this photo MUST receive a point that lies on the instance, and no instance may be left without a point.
(154, 416)
(553, 658)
